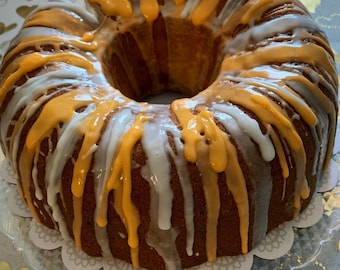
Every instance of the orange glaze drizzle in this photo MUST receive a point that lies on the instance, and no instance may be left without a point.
(275, 85)
(35, 61)
(200, 129)
(212, 197)
(150, 9)
(61, 21)
(120, 181)
(33, 41)
(50, 116)
(113, 8)
(270, 113)
(302, 108)
(203, 11)
(327, 105)
(91, 130)
(27, 64)
(278, 53)
(286, 53)
(294, 141)
(42, 128)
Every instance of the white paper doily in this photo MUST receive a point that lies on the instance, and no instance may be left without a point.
(50, 251)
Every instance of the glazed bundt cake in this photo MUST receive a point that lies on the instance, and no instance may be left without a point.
(175, 184)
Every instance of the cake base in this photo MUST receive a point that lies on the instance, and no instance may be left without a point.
(43, 247)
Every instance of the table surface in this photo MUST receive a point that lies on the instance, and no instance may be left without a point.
(325, 12)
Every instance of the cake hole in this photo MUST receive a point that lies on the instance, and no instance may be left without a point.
(163, 61)
(166, 97)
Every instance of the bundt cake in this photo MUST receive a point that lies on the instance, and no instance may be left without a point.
(184, 181)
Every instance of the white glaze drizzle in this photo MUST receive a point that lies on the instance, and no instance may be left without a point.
(154, 140)
(251, 127)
